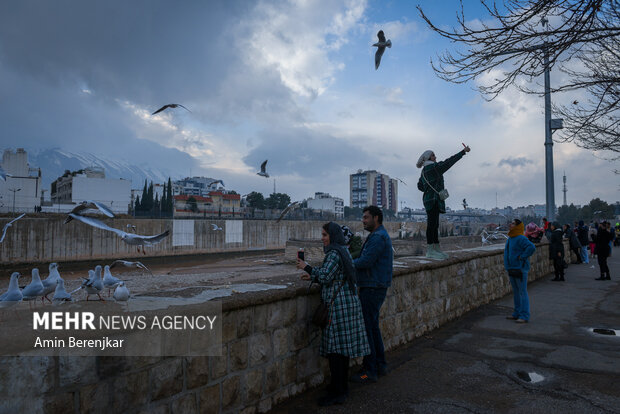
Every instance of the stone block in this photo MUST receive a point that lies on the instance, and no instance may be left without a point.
(231, 392)
(184, 405)
(243, 318)
(238, 355)
(113, 365)
(94, 397)
(249, 410)
(130, 391)
(253, 386)
(73, 370)
(265, 405)
(197, 371)
(281, 313)
(36, 372)
(272, 381)
(59, 403)
(259, 322)
(229, 327)
(166, 379)
(300, 336)
(303, 308)
(210, 399)
(288, 372)
(280, 396)
(158, 409)
(218, 366)
(307, 364)
(280, 342)
(259, 349)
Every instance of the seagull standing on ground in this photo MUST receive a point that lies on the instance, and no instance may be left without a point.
(34, 289)
(12, 296)
(60, 294)
(121, 294)
(49, 284)
(93, 284)
(263, 170)
(110, 282)
(381, 45)
(173, 106)
(9, 224)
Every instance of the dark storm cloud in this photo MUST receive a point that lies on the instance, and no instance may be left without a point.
(67, 68)
(307, 153)
(515, 162)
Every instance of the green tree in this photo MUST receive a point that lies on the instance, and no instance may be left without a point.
(169, 197)
(568, 214)
(192, 205)
(256, 200)
(352, 213)
(278, 200)
(136, 206)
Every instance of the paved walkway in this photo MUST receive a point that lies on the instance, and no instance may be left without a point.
(475, 364)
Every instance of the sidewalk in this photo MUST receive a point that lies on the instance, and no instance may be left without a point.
(474, 364)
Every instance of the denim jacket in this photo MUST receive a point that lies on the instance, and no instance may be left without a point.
(374, 266)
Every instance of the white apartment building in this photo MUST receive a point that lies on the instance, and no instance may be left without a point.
(325, 202)
(91, 184)
(21, 192)
(196, 186)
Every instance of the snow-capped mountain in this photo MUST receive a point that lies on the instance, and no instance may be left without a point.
(53, 163)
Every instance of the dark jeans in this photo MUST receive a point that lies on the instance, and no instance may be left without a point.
(577, 252)
(602, 264)
(339, 369)
(432, 225)
(558, 267)
(372, 299)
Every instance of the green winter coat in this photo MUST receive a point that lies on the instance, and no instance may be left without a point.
(434, 174)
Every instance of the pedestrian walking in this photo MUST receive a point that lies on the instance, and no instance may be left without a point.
(573, 242)
(582, 235)
(601, 249)
(556, 251)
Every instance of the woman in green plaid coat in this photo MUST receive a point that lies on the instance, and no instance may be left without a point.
(345, 335)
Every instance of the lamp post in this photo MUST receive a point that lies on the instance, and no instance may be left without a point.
(14, 190)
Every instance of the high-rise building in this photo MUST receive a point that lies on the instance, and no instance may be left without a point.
(373, 188)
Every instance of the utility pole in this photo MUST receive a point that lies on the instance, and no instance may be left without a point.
(14, 190)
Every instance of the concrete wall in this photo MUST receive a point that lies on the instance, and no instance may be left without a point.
(44, 240)
(268, 349)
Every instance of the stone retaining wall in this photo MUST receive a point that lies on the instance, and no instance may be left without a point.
(270, 352)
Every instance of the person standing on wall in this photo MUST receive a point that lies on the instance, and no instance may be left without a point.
(432, 185)
(517, 252)
(374, 276)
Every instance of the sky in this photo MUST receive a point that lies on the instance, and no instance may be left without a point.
(289, 81)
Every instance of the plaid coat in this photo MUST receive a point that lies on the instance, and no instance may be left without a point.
(434, 174)
(345, 334)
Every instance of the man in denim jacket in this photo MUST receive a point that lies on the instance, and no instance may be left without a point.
(374, 276)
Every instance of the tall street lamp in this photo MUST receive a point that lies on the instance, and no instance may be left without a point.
(14, 190)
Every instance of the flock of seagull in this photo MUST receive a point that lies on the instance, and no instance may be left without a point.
(54, 283)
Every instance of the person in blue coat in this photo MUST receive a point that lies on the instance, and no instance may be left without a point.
(516, 256)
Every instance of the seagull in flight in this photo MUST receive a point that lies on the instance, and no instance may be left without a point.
(288, 208)
(400, 180)
(263, 170)
(381, 45)
(3, 174)
(89, 205)
(9, 224)
(129, 238)
(127, 263)
(163, 108)
(215, 227)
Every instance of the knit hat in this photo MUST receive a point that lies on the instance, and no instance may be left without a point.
(347, 233)
(426, 156)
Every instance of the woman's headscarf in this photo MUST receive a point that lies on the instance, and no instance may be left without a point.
(336, 242)
(424, 159)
